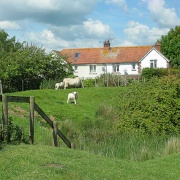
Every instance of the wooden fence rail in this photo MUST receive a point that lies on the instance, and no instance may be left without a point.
(33, 106)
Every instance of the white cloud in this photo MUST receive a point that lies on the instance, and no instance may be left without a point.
(164, 17)
(143, 35)
(121, 3)
(87, 35)
(9, 25)
(127, 43)
(96, 28)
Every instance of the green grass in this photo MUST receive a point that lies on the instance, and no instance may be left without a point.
(105, 155)
(53, 102)
(82, 123)
(47, 162)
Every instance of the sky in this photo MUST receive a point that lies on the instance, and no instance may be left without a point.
(61, 24)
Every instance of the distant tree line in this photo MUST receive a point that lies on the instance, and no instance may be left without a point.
(24, 66)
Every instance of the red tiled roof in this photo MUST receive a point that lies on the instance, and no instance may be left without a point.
(106, 54)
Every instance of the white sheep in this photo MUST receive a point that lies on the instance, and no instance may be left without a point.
(72, 82)
(72, 97)
(59, 85)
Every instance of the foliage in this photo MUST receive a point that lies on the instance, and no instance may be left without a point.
(89, 82)
(11, 134)
(170, 46)
(24, 66)
(148, 73)
(48, 84)
(111, 80)
(151, 107)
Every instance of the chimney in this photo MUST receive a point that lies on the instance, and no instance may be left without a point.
(157, 45)
(106, 43)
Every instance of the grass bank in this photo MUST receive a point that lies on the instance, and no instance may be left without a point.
(47, 162)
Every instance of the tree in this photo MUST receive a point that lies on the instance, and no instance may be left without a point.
(170, 46)
(21, 62)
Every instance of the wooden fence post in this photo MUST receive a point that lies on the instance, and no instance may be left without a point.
(55, 128)
(5, 113)
(5, 110)
(31, 121)
(1, 89)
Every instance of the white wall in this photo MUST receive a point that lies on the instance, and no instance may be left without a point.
(153, 55)
(84, 70)
(124, 67)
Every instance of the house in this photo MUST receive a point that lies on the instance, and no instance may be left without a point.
(130, 60)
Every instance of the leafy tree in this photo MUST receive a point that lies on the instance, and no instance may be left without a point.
(170, 46)
(24, 65)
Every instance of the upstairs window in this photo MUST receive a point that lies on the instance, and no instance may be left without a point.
(92, 68)
(153, 63)
(116, 68)
(76, 55)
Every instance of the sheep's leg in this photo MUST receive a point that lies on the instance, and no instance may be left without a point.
(74, 101)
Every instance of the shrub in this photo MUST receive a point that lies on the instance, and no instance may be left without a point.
(11, 134)
(89, 82)
(151, 107)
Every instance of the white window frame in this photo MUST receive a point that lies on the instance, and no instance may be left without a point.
(92, 69)
(75, 68)
(153, 63)
(116, 67)
(133, 66)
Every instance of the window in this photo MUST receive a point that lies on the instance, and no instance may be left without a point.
(75, 68)
(153, 63)
(116, 68)
(133, 67)
(92, 68)
(76, 55)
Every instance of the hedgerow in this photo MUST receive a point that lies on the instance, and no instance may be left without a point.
(152, 107)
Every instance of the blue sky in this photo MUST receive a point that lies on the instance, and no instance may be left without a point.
(59, 24)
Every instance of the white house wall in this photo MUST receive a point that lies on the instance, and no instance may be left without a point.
(83, 71)
(124, 67)
(153, 55)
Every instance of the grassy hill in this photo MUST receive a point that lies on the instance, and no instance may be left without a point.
(117, 158)
(47, 162)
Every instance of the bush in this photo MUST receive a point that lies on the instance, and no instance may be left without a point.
(151, 107)
(11, 134)
(149, 73)
(89, 82)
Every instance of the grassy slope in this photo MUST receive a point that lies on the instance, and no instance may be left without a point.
(46, 162)
(53, 102)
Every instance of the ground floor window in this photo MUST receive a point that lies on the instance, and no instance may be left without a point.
(92, 68)
(133, 66)
(75, 68)
(116, 68)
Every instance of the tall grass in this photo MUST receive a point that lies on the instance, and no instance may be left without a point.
(134, 148)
